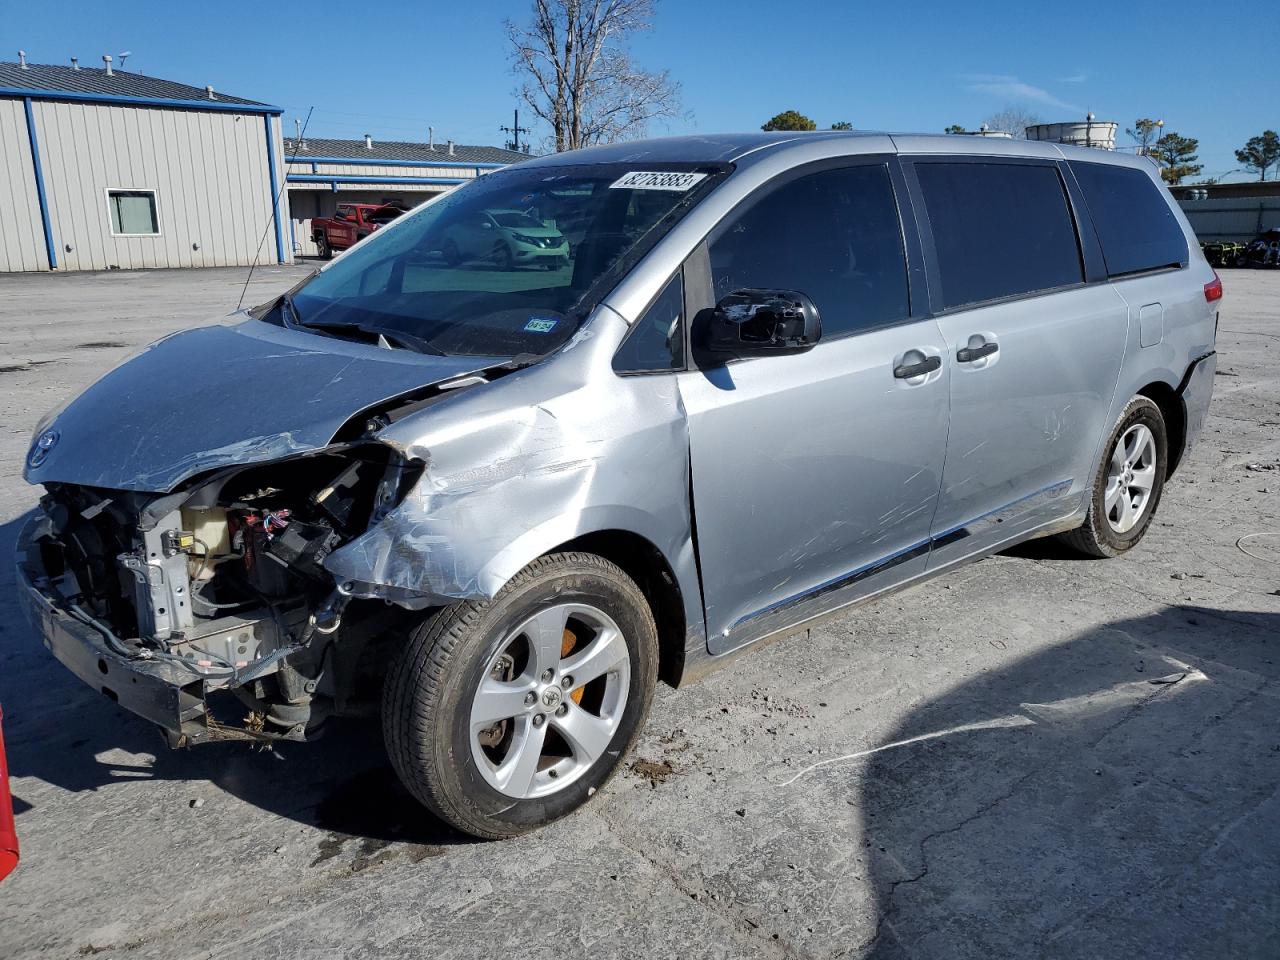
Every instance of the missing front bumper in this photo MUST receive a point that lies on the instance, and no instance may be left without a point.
(170, 695)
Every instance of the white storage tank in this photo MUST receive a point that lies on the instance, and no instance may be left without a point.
(1081, 133)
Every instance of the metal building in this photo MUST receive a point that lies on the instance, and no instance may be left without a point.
(1230, 211)
(103, 169)
(322, 173)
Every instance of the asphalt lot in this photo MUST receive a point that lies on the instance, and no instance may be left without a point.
(1037, 756)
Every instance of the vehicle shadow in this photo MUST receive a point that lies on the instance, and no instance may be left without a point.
(63, 733)
(1115, 796)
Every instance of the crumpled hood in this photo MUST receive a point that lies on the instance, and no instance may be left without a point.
(217, 396)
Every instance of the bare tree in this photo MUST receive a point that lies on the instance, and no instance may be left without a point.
(578, 77)
(1013, 119)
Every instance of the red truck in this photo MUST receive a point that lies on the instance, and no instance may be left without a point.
(350, 224)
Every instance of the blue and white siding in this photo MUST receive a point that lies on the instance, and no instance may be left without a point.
(22, 238)
(212, 170)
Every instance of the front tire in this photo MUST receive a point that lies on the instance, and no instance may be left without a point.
(503, 258)
(1128, 485)
(322, 245)
(501, 716)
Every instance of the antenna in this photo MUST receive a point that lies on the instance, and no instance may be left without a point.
(125, 56)
(515, 130)
(275, 204)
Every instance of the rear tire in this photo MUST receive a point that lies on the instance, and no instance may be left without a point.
(1121, 503)
(563, 617)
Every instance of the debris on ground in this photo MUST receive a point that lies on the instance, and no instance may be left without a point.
(655, 771)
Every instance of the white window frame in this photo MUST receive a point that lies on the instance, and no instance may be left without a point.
(155, 203)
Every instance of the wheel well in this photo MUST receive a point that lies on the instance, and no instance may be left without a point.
(645, 564)
(1175, 419)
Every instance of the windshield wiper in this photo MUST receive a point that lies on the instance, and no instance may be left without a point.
(406, 341)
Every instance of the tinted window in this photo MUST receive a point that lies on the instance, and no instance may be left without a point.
(656, 342)
(1000, 229)
(834, 236)
(1135, 226)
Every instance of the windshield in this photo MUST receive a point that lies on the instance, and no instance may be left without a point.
(454, 278)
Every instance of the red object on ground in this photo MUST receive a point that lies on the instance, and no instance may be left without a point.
(8, 834)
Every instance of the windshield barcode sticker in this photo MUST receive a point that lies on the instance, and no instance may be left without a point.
(541, 325)
(648, 180)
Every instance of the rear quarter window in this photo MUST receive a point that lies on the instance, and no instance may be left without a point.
(1136, 227)
(999, 229)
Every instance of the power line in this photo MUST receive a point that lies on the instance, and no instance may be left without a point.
(515, 130)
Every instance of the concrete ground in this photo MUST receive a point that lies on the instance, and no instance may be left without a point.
(1037, 756)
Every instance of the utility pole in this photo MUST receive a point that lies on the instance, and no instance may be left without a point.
(515, 130)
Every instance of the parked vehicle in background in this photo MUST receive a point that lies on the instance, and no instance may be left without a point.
(859, 360)
(8, 833)
(506, 239)
(1262, 252)
(1222, 253)
(350, 224)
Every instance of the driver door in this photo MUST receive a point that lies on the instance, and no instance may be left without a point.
(815, 476)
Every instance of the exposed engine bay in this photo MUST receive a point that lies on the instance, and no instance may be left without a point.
(224, 581)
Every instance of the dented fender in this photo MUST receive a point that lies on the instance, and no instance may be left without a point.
(523, 465)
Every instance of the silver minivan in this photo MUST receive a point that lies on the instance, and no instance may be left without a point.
(771, 376)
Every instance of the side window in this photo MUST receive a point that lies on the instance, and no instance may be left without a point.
(1135, 226)
(133, 213)
(999, 229)
(834, 236)
(656, 342)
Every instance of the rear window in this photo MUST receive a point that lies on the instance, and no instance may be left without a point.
(1000, 230)
(1135, 226)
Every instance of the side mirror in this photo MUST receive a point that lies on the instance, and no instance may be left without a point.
(759, 323)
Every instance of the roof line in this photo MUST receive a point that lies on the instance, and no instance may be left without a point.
(109, 98)
(344, 178)
(382, 162)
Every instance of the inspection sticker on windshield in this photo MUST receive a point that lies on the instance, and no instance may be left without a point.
(647, 180)
(540, 325)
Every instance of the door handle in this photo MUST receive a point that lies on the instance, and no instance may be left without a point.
(970, 354)
(906, 371)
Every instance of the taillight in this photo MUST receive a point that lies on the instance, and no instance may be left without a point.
(1213, 289)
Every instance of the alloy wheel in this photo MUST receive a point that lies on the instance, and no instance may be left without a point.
(1131, 476)
(550, 700)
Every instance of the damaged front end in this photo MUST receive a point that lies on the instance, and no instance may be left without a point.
(209, 610)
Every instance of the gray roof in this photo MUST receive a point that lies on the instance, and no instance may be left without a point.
(355, 151)
(44, 78)
(748, 148)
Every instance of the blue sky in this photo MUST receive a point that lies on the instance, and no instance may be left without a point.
(915, 66)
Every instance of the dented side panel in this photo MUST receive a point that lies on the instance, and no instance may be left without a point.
(1026, 421)
(525, 464)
